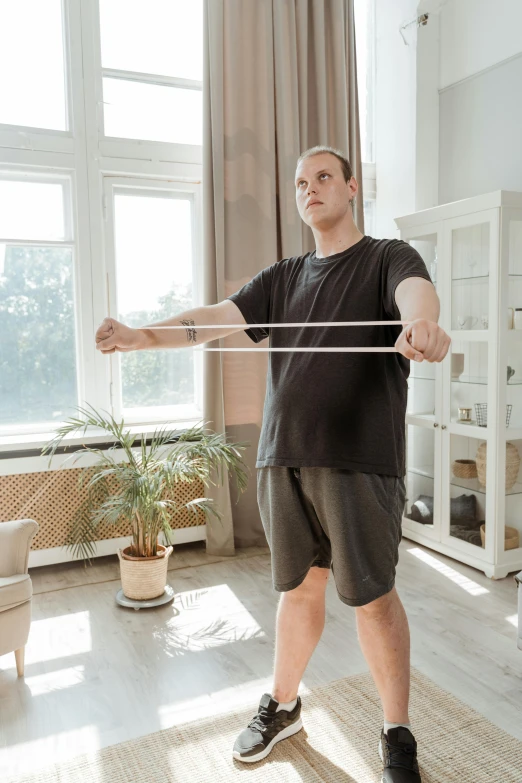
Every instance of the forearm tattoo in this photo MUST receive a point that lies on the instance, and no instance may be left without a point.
(191, 333)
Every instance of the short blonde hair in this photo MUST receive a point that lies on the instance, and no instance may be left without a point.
(320, 149)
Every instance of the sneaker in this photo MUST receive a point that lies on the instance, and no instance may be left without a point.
(398, 752)
(266, 728)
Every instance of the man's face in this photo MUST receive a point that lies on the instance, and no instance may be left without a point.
(322, 196)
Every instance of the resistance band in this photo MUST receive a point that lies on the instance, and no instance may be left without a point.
(243, 327)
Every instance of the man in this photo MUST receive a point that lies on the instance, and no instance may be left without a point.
(331, 457)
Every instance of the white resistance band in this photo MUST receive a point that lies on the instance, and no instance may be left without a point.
(243, 327)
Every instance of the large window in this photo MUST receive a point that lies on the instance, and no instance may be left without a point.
(37, 321)
(153, 266)
(32, 64)
(134, 110)
(152, 60)
(100, 178)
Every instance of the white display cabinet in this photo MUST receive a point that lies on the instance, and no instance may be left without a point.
(473, 250)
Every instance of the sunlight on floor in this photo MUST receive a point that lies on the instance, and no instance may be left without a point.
(54, 637)
(59, 637)
(513, 619)
(326, 747)
(473, 588)
(332, 740)
(220, 702)
(25, 757)
(207, 618)
(54, 681)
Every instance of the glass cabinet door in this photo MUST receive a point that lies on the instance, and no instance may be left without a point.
(422, 507)
(467, 383)
(471, 246)
(470, 308)
(468, 434)
(467, 506)
(424, 380)
(509, 538)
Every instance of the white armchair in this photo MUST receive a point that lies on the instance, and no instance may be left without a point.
(16, 588)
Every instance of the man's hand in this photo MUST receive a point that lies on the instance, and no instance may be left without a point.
(113, 336)
(423, 340)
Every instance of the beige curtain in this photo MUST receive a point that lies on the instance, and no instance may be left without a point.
(280, 77)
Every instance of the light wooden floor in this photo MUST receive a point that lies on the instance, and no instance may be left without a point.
(98, 674)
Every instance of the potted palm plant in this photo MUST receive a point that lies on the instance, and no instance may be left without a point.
(136, 490)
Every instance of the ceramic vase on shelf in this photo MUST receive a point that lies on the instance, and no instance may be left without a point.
(512, 464)
(457, 365)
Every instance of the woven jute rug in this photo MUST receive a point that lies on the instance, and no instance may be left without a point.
(338, 744)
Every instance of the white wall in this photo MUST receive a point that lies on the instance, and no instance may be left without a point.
(476, 34)
(395, 87)
(427, 115)
(448, 108)
(479, 102)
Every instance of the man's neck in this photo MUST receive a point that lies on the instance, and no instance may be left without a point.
(329, 244)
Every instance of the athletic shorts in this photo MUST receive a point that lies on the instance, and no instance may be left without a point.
(332, 518)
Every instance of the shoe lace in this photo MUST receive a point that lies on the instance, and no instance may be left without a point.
(262, 720)
(401, 755)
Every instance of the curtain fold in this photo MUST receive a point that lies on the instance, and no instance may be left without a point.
(279, 77)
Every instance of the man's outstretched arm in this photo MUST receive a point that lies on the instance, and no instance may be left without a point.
(114, 336)
(423, 339)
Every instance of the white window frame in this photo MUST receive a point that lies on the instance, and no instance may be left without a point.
(66, 180)
(111, 147)
(85, 156)
(152, 188)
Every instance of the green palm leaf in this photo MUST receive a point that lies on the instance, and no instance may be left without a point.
(133, 490)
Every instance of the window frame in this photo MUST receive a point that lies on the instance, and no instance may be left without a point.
(67, 180)
(138, 149)
(24, 137)
(152, 188)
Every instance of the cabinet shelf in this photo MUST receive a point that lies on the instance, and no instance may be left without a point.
(472, 484)
(469, 335)
(481, 277)
(475, 380)
(469, 277)
(422, 471)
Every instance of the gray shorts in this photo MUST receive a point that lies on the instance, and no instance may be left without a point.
(332, 518)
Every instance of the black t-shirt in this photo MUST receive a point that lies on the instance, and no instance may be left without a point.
(344, 410)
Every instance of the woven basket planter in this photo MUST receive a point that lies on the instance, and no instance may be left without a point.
(143, 578)
(512, 464)
(511, 537)
(464, 468)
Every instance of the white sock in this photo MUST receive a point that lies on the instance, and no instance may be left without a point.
(286, 705)
(388, 726)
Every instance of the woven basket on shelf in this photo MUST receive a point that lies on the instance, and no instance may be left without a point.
(511, 537)
(143, 578)
(464, 468)
(512, 464)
